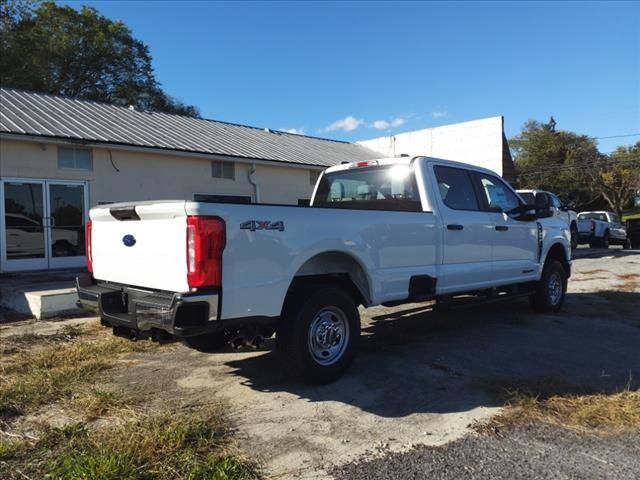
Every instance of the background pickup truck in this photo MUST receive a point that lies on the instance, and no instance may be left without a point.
(560, 210)
(387, 231)
(601, 229)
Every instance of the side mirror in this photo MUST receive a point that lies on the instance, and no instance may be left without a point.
(543, 206)
(565, 208)
(523, 213)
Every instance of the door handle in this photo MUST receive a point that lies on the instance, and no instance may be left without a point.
(502, 228)
(454, 227)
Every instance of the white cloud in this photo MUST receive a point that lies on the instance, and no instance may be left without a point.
(384, 124)
(439, 113)
(297, 131)
(347, 124)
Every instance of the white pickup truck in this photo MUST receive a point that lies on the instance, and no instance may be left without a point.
(387, 231)
(601, 229)
(560, 210)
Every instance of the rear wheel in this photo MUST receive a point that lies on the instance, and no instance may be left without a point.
(318, 336)
(551, 288)
(627, 244)
(604, 243)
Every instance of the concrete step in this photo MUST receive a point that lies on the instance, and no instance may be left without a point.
(52, 303)
(41, 294)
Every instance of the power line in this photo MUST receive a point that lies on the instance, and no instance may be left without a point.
(631, 159)
(618, 136)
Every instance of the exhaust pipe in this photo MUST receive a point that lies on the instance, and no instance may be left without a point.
(247, 339)
(238, 342)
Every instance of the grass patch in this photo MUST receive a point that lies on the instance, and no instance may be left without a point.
(169, 446)
(56, 370)
(554, 402)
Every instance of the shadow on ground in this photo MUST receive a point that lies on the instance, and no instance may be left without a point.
(416, 360)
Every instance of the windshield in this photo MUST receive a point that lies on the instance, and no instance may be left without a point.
(593, 216)
(371, 188)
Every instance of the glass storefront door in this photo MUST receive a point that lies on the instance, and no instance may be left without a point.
(42, 224)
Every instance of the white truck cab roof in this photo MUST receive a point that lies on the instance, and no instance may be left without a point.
(405, 161)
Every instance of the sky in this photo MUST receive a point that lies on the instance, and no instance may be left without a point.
(359, 70)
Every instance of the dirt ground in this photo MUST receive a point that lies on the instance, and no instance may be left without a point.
(421, 377)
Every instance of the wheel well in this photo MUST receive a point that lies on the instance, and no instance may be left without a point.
(334, 268)
(573, 226)
(557, 252)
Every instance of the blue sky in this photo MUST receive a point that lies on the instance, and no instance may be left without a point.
(359, 70)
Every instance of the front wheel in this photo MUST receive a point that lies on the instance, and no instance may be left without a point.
(551, 288)
(318, 336)
(574, 237)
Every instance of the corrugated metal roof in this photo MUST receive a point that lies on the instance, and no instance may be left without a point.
(37, 114)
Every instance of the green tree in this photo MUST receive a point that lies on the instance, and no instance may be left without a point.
(555, 160)
(56, 49)
(617, 177)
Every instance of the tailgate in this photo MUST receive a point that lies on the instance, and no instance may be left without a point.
(145, 246)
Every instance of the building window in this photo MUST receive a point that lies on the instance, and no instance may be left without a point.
(72, 157)
(313, 176)
(220, 169)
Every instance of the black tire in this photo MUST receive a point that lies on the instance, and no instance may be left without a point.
(547, 298)
(605, 242)
(333, 315)
(594, 244)
(208, 343)
(574, 236)
(627, 244)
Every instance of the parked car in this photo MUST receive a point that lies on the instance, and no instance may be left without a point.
(601, 229)
(387, 231)
(633, 232)
(26, 238)
(560, 210)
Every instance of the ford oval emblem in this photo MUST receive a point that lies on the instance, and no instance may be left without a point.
(129, 240)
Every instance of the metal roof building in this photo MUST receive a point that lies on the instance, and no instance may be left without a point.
(49, 116)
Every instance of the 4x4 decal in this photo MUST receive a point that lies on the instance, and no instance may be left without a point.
(254, 225)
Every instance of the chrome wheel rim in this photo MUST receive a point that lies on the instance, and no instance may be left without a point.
(328, 335)
(555, 288)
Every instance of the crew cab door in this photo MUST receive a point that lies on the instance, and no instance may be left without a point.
(466, 231)
(515, 242)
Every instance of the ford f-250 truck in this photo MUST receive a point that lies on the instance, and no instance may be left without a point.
(601, 229)
(388, 231)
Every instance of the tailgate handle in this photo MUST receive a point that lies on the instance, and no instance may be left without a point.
(454, 227)
(501, 228)
(124, 213)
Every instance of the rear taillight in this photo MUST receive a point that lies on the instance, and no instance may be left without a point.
(87, 244)
(205, 243)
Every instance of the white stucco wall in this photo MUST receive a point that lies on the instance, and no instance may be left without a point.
(152, 176)
(478, 142)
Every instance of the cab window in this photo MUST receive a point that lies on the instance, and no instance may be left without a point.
(456, 188)
(498, 196)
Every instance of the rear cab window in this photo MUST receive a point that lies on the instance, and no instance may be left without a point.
(593, 216)
(387, 187)
(456, 188)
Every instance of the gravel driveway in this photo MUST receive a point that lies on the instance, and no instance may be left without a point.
(420, 380)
